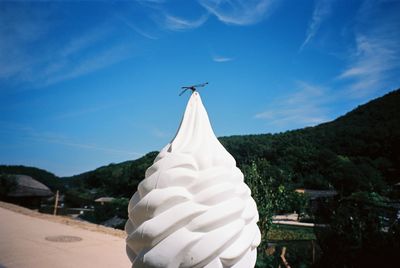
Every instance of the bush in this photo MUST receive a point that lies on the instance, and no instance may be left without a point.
(117, 207)
(7, 184)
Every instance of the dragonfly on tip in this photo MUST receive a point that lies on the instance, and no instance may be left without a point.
(192, 88)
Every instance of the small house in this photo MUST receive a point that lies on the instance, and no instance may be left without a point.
(28, 192)
(317, 197)
(103, 200)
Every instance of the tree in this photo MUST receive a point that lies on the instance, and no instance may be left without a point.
(363, 232)
(261, 194)
(7, 184)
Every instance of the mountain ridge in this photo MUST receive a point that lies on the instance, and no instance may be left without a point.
(364, 140)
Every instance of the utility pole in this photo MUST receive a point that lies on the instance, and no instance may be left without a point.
(56, 204)
(313, 251)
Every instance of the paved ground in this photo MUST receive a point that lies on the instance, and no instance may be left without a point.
(23, 244)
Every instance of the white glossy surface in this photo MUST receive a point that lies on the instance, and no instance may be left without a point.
(193, 208)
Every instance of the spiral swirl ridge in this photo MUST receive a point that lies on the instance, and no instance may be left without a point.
(193, 208)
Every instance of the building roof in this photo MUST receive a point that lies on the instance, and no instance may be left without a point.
(314, 194)
(104, 199)
(28, 186)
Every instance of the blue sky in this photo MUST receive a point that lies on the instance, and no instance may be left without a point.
(85, 84)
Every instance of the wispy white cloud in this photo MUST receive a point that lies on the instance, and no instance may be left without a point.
(24, 132)
(321, 11)
(158, 133)
(175, 23)
(18, 29)
(371, 64)
(239, 12)
(85, 41)
(151, 1)
(137, 29)
(221, 59)
(163, 17)
(232, 12)
(89, 64)
(372, 56)
(88, 146)
(373, 61)
(81, 112)
(22, 28)
(304, 107)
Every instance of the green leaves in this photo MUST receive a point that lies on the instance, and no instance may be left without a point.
(7, 184)
(271, 198)
(363, 231)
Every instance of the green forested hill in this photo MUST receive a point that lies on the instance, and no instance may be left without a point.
(358, 155)
(356, 152)
(359, 151)
(119, 180)
(43, 176)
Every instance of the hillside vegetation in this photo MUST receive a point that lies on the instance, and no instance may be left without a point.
(359, 151)
(43, 176)
(358, 155)
(356, 152)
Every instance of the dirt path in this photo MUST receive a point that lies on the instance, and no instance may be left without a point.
(64, 220)
(31, 239)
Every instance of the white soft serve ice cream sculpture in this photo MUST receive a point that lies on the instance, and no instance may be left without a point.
(193, 209)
